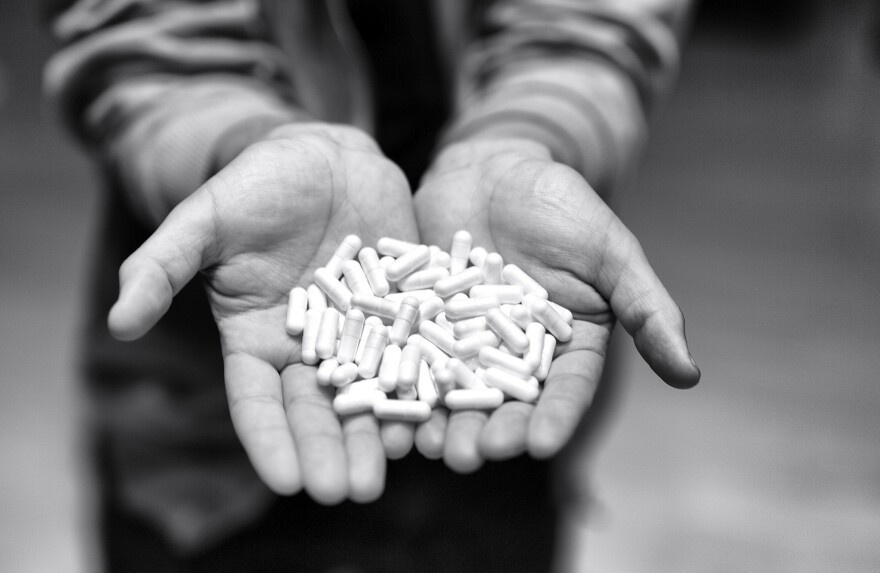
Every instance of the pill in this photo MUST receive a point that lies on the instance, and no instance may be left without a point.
(464, 376)
(325, 343)
(519, 314)
(393, 247)
(474, 399)
(310, 336)
(317, 298)
(372, 323)
(408, 370)
(333, 288)
(374, 272)
(439, 336)
(430, 353)
(431, 307)
(423, 279)
(402, 410)
(349, 403)
(344, 374)
(346, 251)
(325, 370)
(420, 294)
(368, 385)
(388, 368)
(373, 305)
(469, 327)
(408, 262)
(352, 327)
(509, 331)
(563, 312)
(490, 357)
(355, 277)
(459, 252)
(506, 294)
(441, 260)
(470, 307)
(471, 346)
(374, 348)
(459, 282)
(513, 386)
(544, 313)
(535, 333)
(492, 269)
(425, 386)
(407, 315)
(477, 256)
(546, 357)
(516, 276)
(297, 303)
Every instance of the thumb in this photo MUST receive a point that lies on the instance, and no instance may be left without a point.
(155, 272)
(645, 309)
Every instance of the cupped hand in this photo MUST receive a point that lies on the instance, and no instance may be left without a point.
(256, 229)
(544, 217)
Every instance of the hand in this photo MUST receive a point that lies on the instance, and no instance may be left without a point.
(545, 218)
(255, 230)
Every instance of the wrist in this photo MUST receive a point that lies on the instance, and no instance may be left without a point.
(482, 146)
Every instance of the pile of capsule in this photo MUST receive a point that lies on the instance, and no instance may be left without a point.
(419, 327)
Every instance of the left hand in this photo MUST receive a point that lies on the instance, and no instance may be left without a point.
(545, 218)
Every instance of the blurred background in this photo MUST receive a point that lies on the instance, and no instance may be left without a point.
(759, 207)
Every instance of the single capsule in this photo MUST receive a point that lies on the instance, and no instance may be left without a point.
(471, 346)
(310, 336)
(408, 370)
(509, 331)
(352, 327)
(333, 288)
(346, 251)
(506, 294)
(325, 345)
(393, 247)
(459, 282)
(425, 386)
(325, 371)
(373, 350)
(297, 303)
(563, 312)
(535, 333)
(356, 278)
(518, 314)
(459, 252)
(474, 399)
(516, 276)
(423, 279)
(317, 298)
(431, 307)
(374, 271)
(469, 327)
(492, 269)
(544, 313)
(440, 259)
(490, 357)
(437, 335)
(389, 367)
(373, 305)
(368, 385)
(372, 323)
(477, 256)
(407, 315)
(408, 262)
(513, 386)
(546, 357)
(344, 374)
(470, 307)
(349, 403)
(402, 410)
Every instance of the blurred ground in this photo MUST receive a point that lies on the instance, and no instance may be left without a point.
(758, 206)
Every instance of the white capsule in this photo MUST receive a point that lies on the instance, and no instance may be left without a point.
(516, 276)
(430, 353)
(407, 315)
(372, 354)
(474, 399)
(477, 256)
(346, 251)
(469, 347)
(421, 295)
(437, 335)
(356, 278)
(388, 368)
(544, 313)
(297, 303)
(408, 262)
(317, 298)
(507, 294)
(535, 333)
(375, 306)
(469, 327)
(492, 269)
(325, 371)
(518, 314)
(408, 370)
(310, 336)
(370, 324)
(348, 403)
(425, 386)
(464, 376)
(509, 331)
(344, 374)
(490, 357)
(440, 259)
(402, 410)
(423, 279)
(459, 252)
(368, 385)
(374, 272)
(333, 288)
(442, 321)
(563, 312)
(513, 386)
(470, 307)
(325, 344)
(352, 327)
(444, 380)
(546, 357)
(459, 282)
(393, 247)
(430, 308)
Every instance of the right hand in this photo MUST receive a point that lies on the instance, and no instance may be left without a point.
(255, 230)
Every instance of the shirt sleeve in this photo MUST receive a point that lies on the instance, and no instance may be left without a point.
(163, 90)
(582, 77)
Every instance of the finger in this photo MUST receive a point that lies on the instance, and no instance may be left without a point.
(429, 435)
(155, 272)
(645, 309)
(568, 391)
(317, 434)
(505, 434)
(397, 438)
(461, 451)
(253, 388)
(366, 457)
